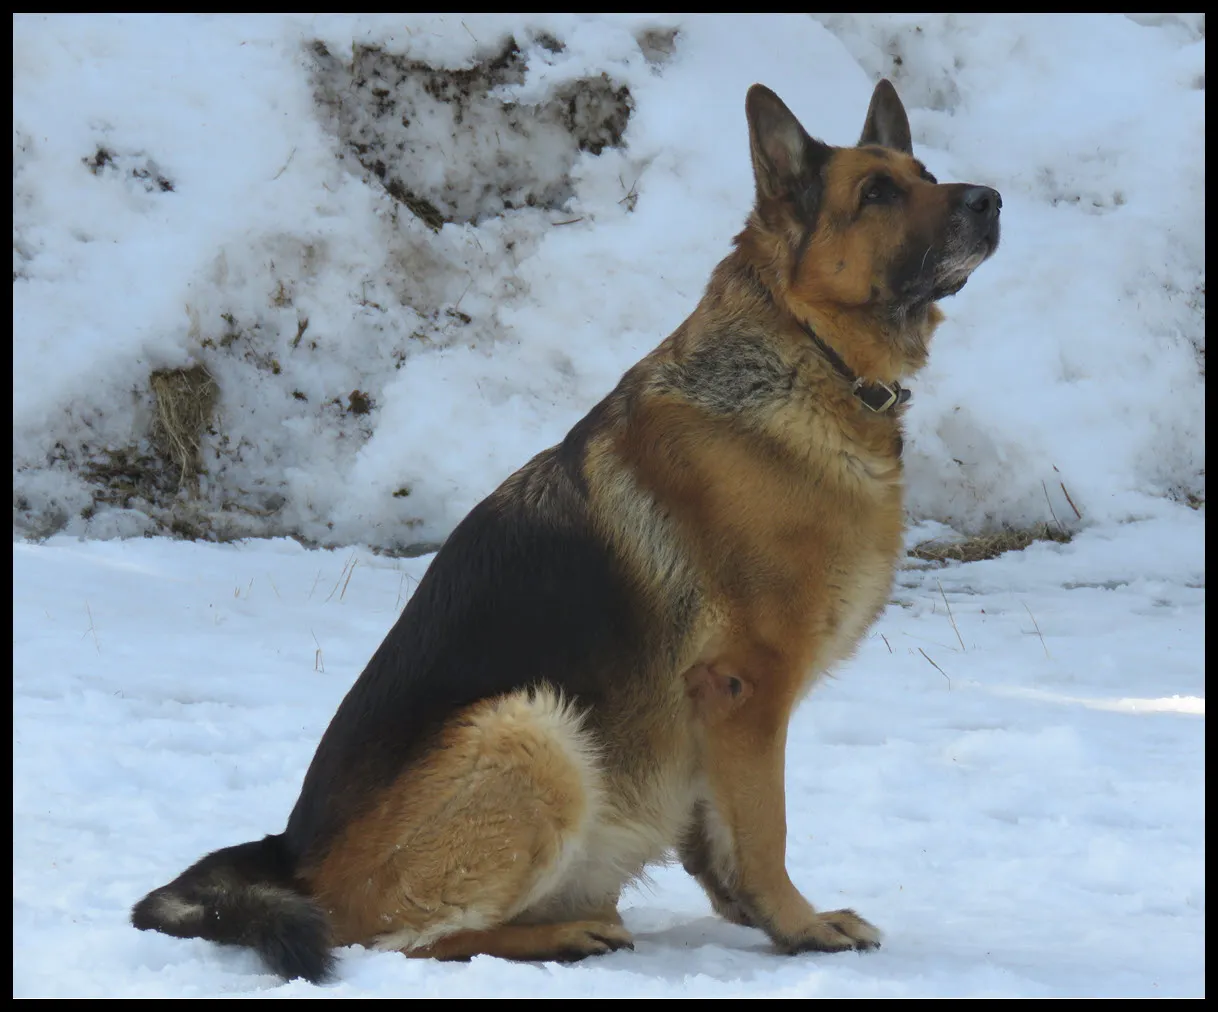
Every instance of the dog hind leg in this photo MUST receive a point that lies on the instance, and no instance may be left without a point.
(564, 942)
(480, 829)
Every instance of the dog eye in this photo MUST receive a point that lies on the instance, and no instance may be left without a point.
(880, 191)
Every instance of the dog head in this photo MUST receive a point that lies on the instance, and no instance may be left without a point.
(864, 229)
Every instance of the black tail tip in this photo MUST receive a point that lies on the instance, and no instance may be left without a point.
(300, 947)
(165, 911)
(289, 931)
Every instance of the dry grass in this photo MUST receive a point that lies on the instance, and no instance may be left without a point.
(952, 618)
(935, 666)
(986, 546)
(1036, 626)
(185, 402)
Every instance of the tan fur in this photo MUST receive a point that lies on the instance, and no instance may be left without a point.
(479, 827)
(509, 819)
(567, 941)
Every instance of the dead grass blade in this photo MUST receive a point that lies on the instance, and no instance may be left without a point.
(936, 667)
(1036, 626)
(951, 618)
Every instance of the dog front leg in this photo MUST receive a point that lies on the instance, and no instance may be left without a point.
(739, 856)
(705, 858)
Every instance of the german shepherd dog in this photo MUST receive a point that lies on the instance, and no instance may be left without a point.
(599, 667)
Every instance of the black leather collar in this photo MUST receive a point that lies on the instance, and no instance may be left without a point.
(877, 397)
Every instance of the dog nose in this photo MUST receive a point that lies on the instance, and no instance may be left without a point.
(983, 200)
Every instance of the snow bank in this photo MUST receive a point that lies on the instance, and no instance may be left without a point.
(411, 251)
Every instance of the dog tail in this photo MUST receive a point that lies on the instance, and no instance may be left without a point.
(245, 895)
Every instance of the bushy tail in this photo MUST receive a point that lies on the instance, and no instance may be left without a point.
(245, 895)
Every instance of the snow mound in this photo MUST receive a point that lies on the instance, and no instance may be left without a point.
(410, 251)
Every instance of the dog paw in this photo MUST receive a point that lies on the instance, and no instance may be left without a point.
(833, 931)
(580, 939)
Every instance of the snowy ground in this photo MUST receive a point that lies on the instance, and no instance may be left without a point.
(1033, 827)
(1027, 821)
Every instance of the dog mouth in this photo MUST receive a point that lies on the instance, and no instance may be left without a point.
(942, 267)
(945, 289)
(954, 269)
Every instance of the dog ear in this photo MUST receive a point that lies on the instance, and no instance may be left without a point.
(786, 161)
(887, 124)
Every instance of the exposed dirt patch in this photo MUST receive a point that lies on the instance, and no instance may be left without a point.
(452, 145)
(135, 167)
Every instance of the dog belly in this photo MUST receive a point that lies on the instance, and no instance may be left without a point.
(637, 823)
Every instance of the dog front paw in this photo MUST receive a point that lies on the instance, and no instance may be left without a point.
(832, 931)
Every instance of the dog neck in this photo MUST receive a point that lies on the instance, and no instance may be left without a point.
(876, 395)
(878, 343)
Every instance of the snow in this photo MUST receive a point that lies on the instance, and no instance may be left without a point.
(1025, 819)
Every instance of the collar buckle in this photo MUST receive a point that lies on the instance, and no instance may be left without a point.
(879, 397)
